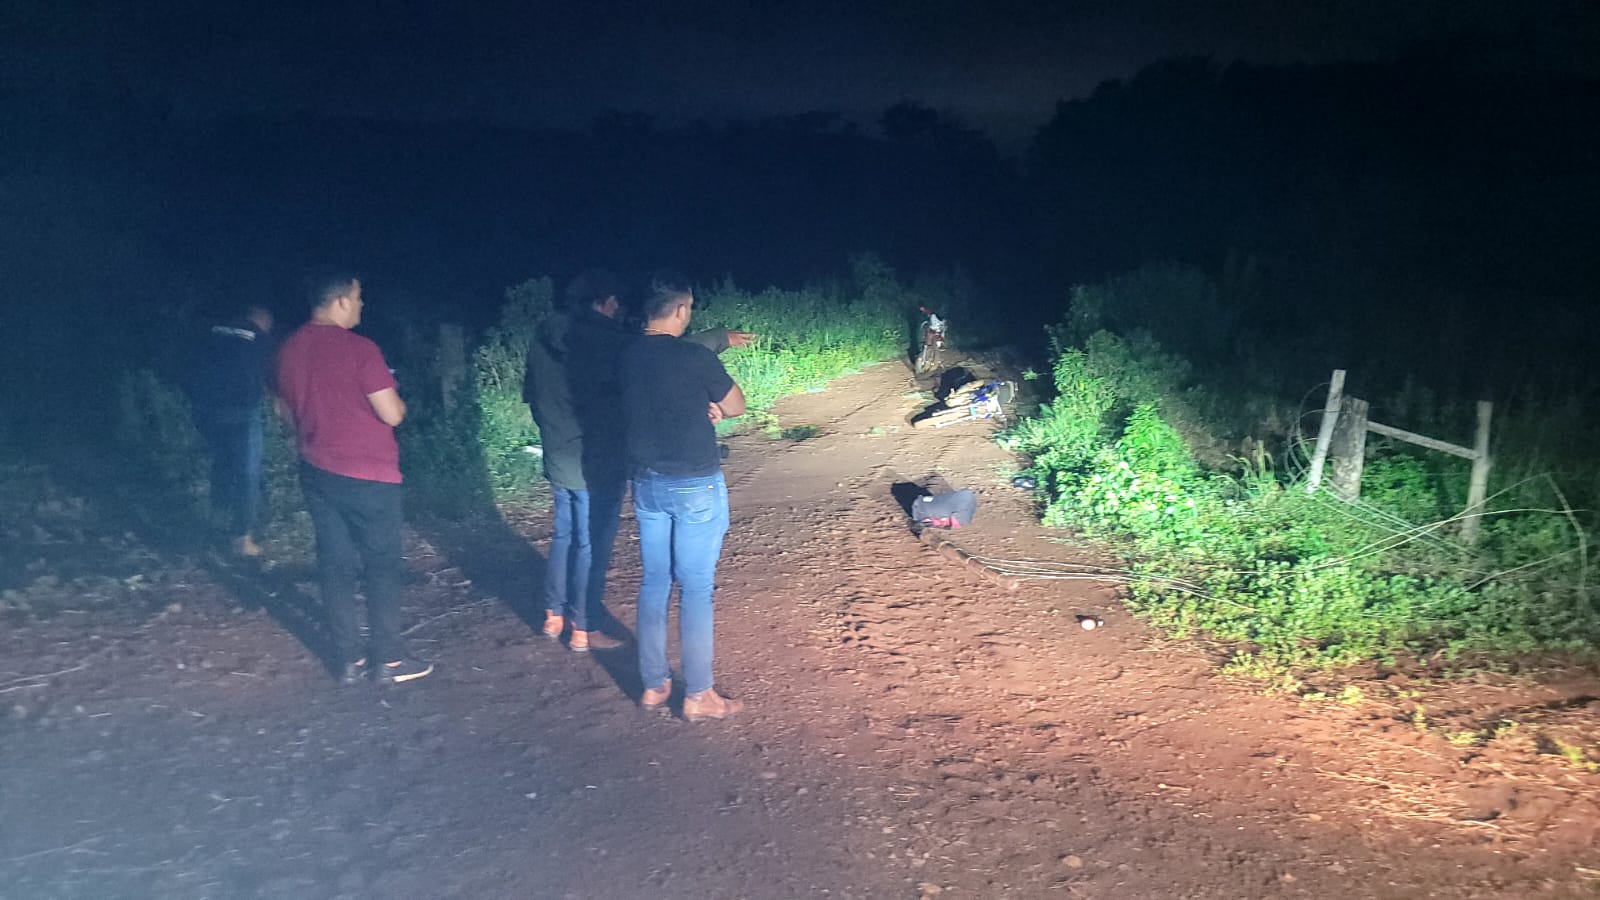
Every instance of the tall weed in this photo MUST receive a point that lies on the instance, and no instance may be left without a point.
(157, 433)
(462, 455)
(807, 337)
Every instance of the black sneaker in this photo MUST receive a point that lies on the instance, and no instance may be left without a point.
(353, 672)
(402, 670)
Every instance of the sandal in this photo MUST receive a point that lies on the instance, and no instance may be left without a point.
(655, 698)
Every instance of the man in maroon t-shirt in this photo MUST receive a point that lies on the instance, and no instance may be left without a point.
(338, 392)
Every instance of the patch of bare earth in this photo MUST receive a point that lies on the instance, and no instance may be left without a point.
(916, 729)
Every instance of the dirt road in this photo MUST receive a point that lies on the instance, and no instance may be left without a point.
(915, 730)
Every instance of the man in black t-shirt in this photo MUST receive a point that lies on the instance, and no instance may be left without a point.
(571, 386)
(674, 392)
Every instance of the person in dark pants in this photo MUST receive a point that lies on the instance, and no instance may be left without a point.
(674, 393)
(342, 399)
(226, 383)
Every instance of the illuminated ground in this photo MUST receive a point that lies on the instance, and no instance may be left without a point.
(915, 730)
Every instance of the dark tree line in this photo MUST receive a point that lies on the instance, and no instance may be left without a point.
(1403, 210)
(1409, 197)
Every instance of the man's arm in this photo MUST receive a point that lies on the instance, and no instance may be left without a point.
(719, 339)
(733, 404)
(388, 405)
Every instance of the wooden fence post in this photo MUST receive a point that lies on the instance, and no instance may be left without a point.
(1343, 434)
(1478, 489)
(1330, 415)
(1348, 448)
(451, 363)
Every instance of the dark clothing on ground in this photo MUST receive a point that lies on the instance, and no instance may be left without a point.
(668, 385)
(225, 384)
(358, 525)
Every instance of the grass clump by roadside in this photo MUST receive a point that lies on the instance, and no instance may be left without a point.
(808, 337)
(470, 438)
(1239, 552)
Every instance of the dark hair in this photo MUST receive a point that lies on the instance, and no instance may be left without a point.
(592, 286)
(235, 312)
(323, 288)
(666, 290)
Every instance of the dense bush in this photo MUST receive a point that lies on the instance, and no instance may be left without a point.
(157, 433)
(1178, 305)
(459, 456)
(1242, 554)
(168, 466)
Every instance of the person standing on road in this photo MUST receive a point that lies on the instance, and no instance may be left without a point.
(344, 404)
(570, 386)
(674, 391)
(226, 382)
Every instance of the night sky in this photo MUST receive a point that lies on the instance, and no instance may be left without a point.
(1000, 65)
(161, 158)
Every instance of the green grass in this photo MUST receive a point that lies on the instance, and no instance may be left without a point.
(806, 338)
(1238, 553)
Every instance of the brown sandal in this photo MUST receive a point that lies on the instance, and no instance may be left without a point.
(554, 625)
(655, 698)
(708, 704)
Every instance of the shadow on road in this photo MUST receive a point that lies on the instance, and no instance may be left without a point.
(504, 565)
(277, 589)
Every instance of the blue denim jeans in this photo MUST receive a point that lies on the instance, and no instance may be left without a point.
(580, 553)
(681, 524)
(236, 452)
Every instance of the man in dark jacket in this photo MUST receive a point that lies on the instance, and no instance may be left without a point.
(226, 384)
(572, 387)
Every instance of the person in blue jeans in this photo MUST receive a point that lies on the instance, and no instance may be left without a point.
(571, 388)
(674, 392)
(226, 384)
